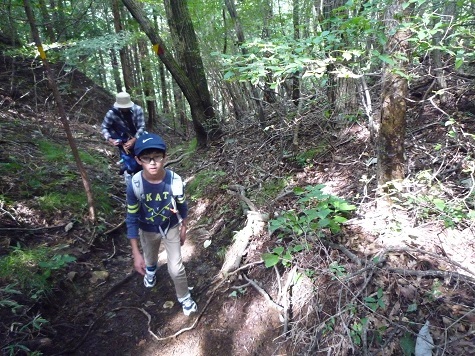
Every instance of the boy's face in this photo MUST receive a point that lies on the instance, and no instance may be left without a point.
(151, 160)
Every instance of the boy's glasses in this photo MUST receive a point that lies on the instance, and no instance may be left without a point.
(148, 160)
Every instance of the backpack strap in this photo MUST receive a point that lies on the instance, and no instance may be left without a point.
(137, 185)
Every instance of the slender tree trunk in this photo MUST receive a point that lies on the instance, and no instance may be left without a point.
(241, 39)
(125, 63)
(115, 71)
(296, 76)
(148, 84)
(61, 110)
(180, 110)
(163, 88)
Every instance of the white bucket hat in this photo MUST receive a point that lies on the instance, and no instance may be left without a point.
(122, 101)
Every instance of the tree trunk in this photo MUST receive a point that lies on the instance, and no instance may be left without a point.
(392, 130)
(163, 88)
(148, 85)
(296, 76)
(61, 110)
(231, 7)
(8, 32)
(125, 65)
(201, 113)
(116, 71)
(180, 110)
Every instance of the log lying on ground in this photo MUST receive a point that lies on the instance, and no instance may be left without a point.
(255, 225)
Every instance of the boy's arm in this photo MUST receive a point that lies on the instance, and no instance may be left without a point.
(133, 209)
(183, 231)
(139, 263)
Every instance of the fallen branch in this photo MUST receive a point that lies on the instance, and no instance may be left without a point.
(264, 294)
(115, 228)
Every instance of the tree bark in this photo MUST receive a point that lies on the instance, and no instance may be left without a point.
(231, 7)
(148, 85)
(125, 65)
(392, 129)
(201, 113)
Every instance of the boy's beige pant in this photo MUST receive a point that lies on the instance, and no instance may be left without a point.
(150, 242)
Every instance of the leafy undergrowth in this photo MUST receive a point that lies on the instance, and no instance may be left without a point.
(337, 272)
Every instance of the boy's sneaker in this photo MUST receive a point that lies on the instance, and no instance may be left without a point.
(149, 279)
(189, 306)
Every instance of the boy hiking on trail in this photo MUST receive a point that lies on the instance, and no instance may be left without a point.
(156, 212)
(123, 124)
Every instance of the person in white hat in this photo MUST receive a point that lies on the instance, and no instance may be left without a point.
(122, 125)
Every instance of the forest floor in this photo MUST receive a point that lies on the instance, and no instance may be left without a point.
(367, 290)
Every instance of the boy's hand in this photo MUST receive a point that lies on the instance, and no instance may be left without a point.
(182, 236)
(139, 263)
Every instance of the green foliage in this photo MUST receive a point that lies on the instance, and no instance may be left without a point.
(269, 190)
(9, 167)
(408, 344)
(32, 329)
(304, 159)
(238, 292)
(5, 298)
(337, 270)
(431, 202)
(196, 188)
(281, 254)
(31, 268)
(375, 302)
(317, 212)
(62, 200)
(86, 48)
(356, 330)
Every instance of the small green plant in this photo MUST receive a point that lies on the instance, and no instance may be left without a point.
(356, 330)
(32, 328)
(32, 268)
(375, 302)
(317, 211)
(270, 189)
(436, 290)
(195, 189)
(53, 152)
(305, 159)
(281, 254)
(5, 298)
(237, 293)
(62, 200)
(336, 269)
(329, 325)
(408, 344)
